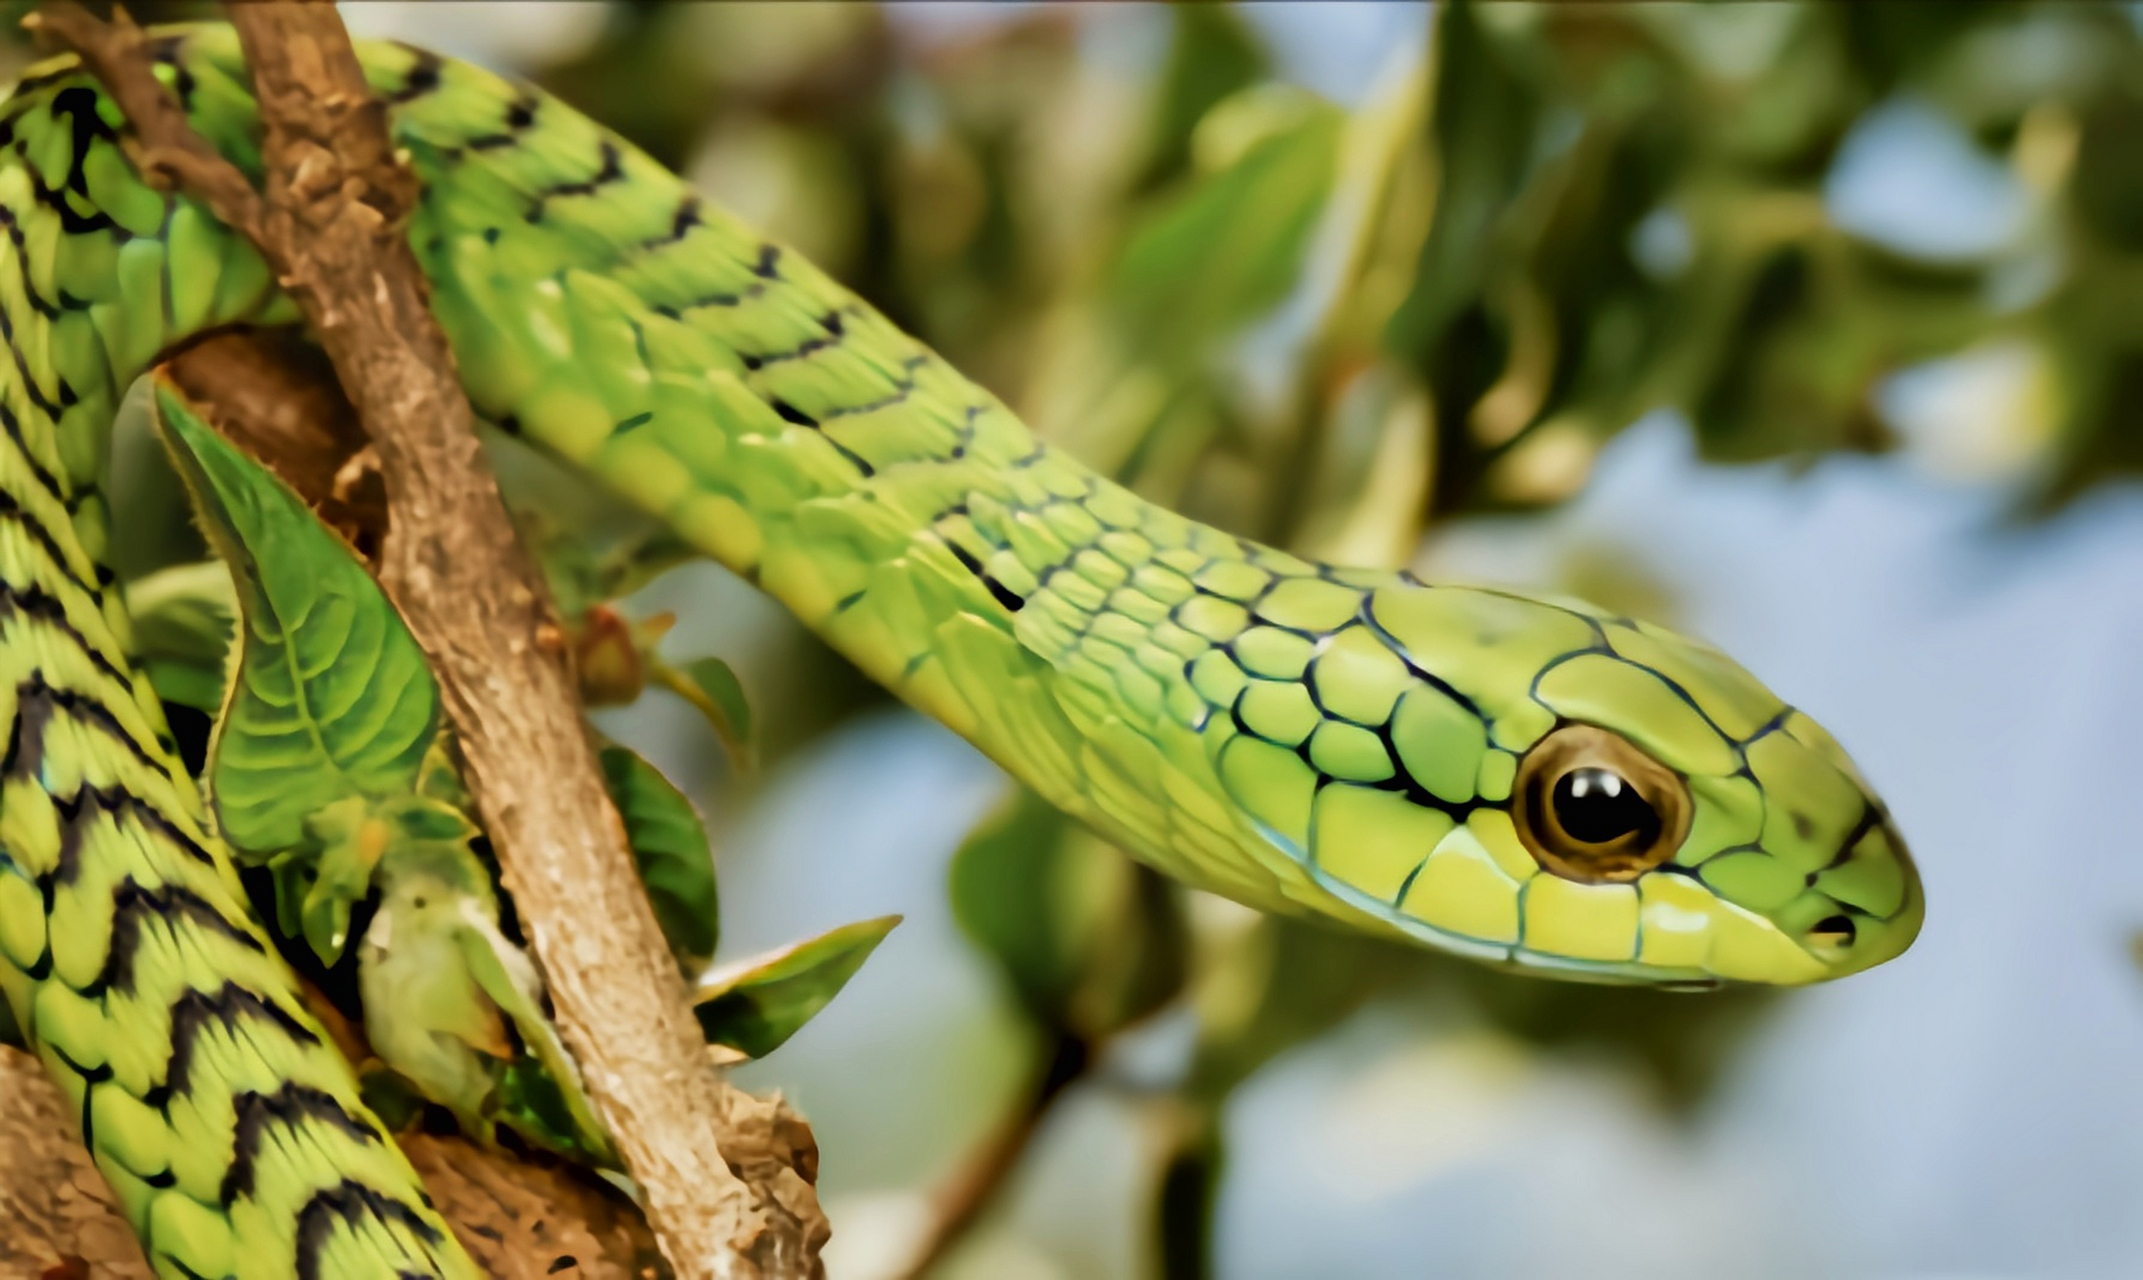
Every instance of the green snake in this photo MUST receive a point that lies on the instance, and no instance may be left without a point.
(1534, 783)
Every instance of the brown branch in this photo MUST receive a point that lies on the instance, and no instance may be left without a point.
(519, 1220)
(57, 1218)
(163, 146)
(274, 395)
(727, 1185)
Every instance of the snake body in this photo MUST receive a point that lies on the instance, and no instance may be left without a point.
(1530, 782)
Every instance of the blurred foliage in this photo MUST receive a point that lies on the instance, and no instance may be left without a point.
(1089, 942)
(1335, 329)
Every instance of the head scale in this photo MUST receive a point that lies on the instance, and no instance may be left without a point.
(1598, 798)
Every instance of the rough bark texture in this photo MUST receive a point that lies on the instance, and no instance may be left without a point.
(727, 1177)
(56, 1215)
(274, 395)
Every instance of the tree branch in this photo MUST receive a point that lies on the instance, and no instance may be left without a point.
(961, 1202)
(57, 1217)
(727, 1183)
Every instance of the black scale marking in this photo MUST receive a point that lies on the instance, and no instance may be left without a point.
(351, 1203)
(289, 1107)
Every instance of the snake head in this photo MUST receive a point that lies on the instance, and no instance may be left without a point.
(1776, 866)
(1758, 851)
(1600, 799)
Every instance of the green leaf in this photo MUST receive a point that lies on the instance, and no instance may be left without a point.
(670, 845)
(10, 1034)
(1002, 887)
(439, 777)
(1213, 54)
(293, 874)
(541, 1092)
(333, 697)
(711, 685)
(534, 1101)
(1482, 119)
(1230, 247)
(187, 611)
(186, 684)
(756, 1004)
(184, 618)
(343, 843)
(1089, 940)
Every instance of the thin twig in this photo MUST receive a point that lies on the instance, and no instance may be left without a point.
(162, 145)
(727, 1183)
(963, 1200)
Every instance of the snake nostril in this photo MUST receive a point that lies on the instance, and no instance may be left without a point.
(1836, 931)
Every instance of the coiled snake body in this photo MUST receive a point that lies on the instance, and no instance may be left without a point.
(1530, 782)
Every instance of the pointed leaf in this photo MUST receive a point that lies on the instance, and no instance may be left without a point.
(333, 698)
(542, 1086)
(293, 873)
(439, 778)
(756, 1004)
(670, 845)
(711, 685)
(427, 820)
(186, 684)
(533, 1103)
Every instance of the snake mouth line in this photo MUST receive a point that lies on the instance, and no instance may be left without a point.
(1516, 957)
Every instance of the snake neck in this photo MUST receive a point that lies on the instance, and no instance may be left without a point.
(1147, 673)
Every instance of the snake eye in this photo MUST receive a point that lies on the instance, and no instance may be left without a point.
(1593, 808)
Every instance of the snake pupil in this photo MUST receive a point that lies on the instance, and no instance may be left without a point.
(1596, 806)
